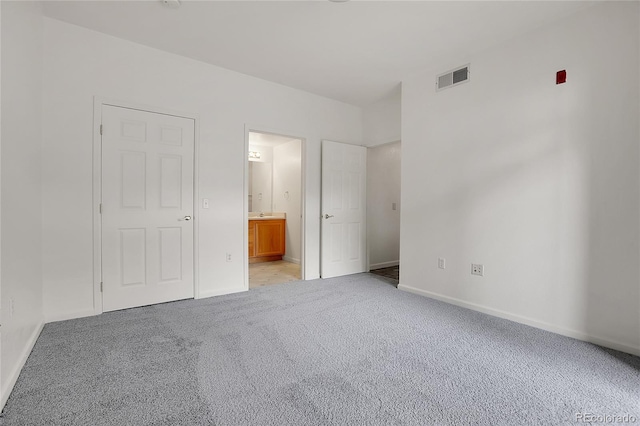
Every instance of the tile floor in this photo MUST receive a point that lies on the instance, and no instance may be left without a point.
(267, 273)
(393, 273)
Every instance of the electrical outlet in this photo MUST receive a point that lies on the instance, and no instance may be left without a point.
(228, 257)
(441, 262)
(12, 308)
(477, 269)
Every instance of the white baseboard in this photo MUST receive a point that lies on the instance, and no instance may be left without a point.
(15, 372)
(384, 264)
(221, 292)
(69, 316)
(291, 259)
(635, 350)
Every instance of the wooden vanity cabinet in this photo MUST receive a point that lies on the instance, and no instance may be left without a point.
(266, 240)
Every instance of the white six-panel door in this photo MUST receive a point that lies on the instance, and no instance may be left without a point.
(344, 243)
(147, 203)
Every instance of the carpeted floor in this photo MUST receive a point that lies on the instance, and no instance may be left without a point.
(350, 350)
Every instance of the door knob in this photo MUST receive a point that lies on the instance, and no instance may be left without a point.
(327, 216)
(186, 218)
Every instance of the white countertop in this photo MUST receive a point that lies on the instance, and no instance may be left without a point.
(267, 216)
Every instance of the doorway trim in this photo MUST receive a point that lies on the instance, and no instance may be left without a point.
(248, 128)
(98, 103)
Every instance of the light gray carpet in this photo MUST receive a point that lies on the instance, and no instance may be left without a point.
(351, 350)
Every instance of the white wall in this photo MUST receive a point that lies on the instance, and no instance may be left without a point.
(78, 64)
(381, 121)
(287, 177)
(383, 190)
(538, 182)
(2, 397)
(21, 186)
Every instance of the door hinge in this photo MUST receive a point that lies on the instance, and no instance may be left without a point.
(100, 208)
(101, 286)
(101, 129)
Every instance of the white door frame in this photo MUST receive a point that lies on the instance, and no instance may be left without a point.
(98, 103)
(303, 222)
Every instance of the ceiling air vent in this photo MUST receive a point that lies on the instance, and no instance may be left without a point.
(452, 78)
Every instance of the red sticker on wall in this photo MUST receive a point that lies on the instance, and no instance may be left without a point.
(561, 77)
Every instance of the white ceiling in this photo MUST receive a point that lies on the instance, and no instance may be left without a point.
(355, 52)
(268, 139)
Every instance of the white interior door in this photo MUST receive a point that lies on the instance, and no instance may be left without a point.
(344, 236)
(147, 203)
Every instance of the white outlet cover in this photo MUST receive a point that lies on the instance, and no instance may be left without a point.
(477, 269)
(442, 263)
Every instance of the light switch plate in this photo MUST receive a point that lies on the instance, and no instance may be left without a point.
(205, 203)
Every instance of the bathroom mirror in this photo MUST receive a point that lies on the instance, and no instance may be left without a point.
(260, 182)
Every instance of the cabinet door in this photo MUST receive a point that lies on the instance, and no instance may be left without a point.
(252, 239)
(270, 237)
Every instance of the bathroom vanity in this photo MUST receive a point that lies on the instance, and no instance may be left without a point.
(266, 237)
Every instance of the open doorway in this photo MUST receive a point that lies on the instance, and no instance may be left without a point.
(383, 210)
(275, 195)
